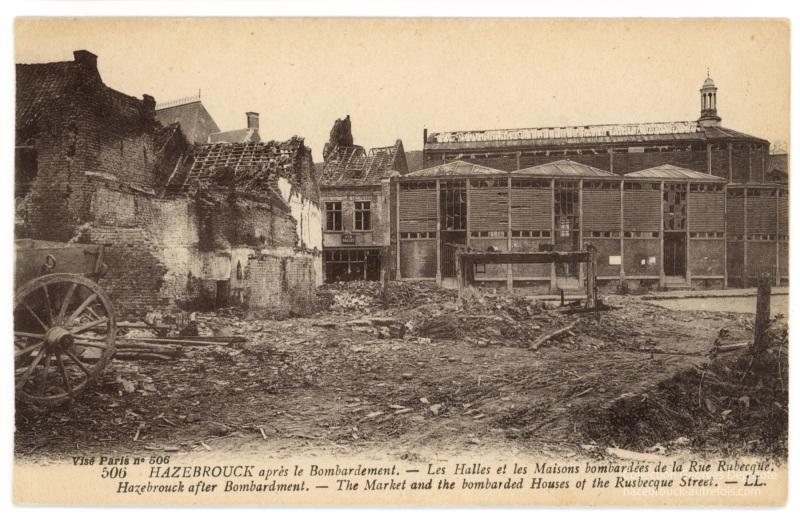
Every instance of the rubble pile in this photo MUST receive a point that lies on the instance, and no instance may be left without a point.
(362, 296)
(738, 406)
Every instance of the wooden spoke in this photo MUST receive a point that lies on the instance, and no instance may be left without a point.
(77, 312)
(28, 350)
(65, 302)
(35, 316)
(43, 384)
(87, 326)
(26, 376)
(29, 335)
(92, 313)
(79, 306)
(82, 343)
(49, 305)
(63, 371)
(78, 362)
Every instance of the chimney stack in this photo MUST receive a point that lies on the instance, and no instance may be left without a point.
(86, 58)
(252, 120)
(149, 103)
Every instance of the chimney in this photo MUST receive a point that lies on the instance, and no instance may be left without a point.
(86, 58)
(425, 135)
(149, 103)
(252, 120)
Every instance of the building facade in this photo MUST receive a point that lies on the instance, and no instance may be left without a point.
(662, 227)
(756, 244)
(354, 189)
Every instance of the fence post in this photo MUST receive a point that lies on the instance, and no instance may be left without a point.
(762, 312)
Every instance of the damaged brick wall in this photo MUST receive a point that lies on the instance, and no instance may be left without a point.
(76, 124)
(281, 285)
(156, 257)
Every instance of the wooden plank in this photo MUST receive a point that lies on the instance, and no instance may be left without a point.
(524, 257)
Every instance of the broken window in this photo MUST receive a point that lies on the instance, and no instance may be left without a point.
(454, 205)
(333, 216)
(363, 216)
(674, 207)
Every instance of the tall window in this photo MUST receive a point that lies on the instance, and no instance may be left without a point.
(363, 217)
(333, 216)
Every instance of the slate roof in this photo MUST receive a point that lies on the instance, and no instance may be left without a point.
(352, 166)
(566, 168)
(670, 172)
(580, 135)
(237, 136)
(457, 168)
(196, 123)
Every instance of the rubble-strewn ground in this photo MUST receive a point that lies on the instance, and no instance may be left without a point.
(428, 376)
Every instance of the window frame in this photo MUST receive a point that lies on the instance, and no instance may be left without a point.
(360, 213)
(334, 212)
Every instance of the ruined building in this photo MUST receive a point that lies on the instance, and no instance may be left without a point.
(194, 226)
(354, 189)
(752, 233)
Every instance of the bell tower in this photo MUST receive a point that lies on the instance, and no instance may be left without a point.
(708, 104)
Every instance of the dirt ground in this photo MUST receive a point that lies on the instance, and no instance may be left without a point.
(428, 376)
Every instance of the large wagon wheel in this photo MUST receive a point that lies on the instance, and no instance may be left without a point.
(64, 333)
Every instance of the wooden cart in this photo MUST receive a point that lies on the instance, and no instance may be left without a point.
(64, 324)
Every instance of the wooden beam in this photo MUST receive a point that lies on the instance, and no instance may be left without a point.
(499, 258)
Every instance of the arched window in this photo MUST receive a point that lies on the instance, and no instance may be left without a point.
(239, 272)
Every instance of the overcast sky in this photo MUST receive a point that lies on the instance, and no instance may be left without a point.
(396, 77)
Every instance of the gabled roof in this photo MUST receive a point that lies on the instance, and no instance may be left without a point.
(237, 136)
(252, 167)
(352, 166)
(580, 135)
(566, 168)
(457, 168)
(196, 123)
(670, 172)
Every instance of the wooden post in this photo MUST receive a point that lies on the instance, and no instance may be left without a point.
(688, 236)
(725, 237)
(591, 277)
(581, 273)
(762, 312)
(662, 279)
(385, 278)
(553, 231)
(745, 267)
(459, 276)
(621, 232)
(438, 234)
(397, 274)
(509, 267)
(777, 238)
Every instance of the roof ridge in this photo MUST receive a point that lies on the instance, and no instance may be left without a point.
(566, 127)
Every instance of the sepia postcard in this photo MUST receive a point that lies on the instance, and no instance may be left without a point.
(414, 262)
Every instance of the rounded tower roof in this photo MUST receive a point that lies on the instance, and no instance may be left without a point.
(708, 83)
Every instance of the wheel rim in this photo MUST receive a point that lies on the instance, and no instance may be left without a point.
(64, 335)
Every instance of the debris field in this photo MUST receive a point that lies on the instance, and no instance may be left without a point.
(428, 374)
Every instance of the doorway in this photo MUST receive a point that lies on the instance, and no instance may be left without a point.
(675, 254)
(453, 230)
